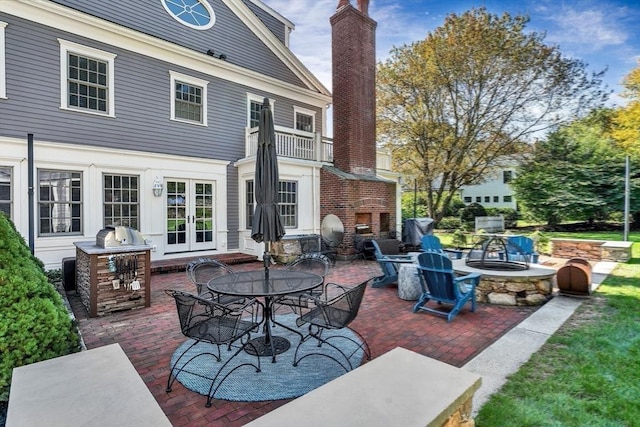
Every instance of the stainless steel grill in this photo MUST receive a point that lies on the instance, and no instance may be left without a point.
(111, 237)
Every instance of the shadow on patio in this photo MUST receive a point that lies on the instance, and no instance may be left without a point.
(150, 336)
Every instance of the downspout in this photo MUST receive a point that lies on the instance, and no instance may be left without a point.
(30, 184)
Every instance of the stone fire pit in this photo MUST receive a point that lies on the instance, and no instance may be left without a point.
(533, 286)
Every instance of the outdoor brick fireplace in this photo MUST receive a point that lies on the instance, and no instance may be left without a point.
(350, 188)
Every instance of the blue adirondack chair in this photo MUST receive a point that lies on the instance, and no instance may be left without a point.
(431, 243)
(521, 248)
(440, 284)
(389, 264)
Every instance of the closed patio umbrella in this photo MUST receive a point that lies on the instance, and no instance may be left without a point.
(267, 224)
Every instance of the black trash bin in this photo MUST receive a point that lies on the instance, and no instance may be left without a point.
(69, 273)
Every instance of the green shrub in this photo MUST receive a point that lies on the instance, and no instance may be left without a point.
(459, 239)
(35, 324)
(541, 242)
(510, 217)
(469, 214)
(449, 223)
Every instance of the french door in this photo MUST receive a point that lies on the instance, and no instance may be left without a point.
(190, 207)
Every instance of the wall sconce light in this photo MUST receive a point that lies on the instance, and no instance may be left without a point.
(157, 187)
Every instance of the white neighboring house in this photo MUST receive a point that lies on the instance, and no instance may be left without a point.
(495, 191)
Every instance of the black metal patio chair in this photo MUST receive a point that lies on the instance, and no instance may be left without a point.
(333, 314)
(206, 321)
(202, 270)
(315, 263)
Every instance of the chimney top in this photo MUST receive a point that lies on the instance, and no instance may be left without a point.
(363, 5)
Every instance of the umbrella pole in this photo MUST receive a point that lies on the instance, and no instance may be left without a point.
(267, 256)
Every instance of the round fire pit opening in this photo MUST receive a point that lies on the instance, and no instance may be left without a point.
(487, 264)
(491, 252)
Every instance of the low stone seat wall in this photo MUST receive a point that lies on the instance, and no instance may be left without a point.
(97, 388)
(592, 250)
(399, 388)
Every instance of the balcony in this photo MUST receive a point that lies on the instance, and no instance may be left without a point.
(299, 144)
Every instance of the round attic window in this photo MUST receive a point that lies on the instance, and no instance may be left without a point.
(196, 14)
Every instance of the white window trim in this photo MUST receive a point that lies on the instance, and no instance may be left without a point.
(65, 48)
(192, 81)
(306, 112)
(259, 99)
(3, 63)
(206, 5)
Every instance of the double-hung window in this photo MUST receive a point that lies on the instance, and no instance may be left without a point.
(287, 203)
(87, 79)
(5, 190)
(254, 112)
(254, 108)
(188, 98)
(250, 206)
(59, 202)
(121, 200)
(304, 119)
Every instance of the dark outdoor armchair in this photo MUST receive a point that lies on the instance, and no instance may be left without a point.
(315, 263)
(205, 321)
(389, 262)
(333, 313)
(202, 270)
(439, 283)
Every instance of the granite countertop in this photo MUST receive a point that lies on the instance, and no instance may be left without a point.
(92, 248)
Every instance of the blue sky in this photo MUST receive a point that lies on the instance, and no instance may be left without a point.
(603, 33)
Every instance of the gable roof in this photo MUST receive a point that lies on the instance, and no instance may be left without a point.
(272, 42)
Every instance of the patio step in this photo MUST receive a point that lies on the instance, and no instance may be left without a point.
(164, 266)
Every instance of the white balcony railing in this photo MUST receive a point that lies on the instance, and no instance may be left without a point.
(295, 143)
(305, 145)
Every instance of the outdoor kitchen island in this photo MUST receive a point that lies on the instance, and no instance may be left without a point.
(110, 279)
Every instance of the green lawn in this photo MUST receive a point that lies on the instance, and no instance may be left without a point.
(588, 373)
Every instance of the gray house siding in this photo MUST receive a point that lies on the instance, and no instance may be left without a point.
(150, 17)
(142, 101)
(273, 24)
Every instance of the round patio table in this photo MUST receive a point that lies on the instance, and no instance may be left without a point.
(266, 284)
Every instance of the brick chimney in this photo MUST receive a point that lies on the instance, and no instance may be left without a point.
(354, 102)
(350, 188)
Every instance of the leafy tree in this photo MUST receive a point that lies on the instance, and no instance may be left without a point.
(413, 205)
(576, 173)
(472, 91)
(626, 129)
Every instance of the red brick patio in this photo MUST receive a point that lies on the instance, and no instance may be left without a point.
(149, 337)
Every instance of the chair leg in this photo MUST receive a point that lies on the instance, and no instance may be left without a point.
(421, 302)
(213, 391)
(326, 341)
(172, 372)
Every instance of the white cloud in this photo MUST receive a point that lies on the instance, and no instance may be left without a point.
(311, 40)
(589, 30)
